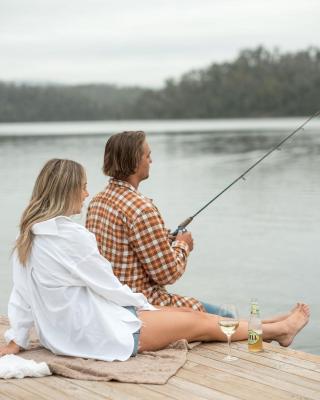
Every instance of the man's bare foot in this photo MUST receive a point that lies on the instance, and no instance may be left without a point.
(281, 317)
(293, 324)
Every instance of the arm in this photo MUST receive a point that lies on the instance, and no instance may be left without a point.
(21, 321)
(149, 239)
(19, 312)
(96, 273)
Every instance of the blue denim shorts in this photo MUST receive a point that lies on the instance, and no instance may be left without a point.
(136, 335)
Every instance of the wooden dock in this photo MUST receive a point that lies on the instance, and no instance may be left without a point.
(277, 373)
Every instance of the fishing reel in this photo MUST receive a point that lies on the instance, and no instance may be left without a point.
(182, 227)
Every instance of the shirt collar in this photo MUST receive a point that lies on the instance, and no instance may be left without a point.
(118, 182)
(48, 227)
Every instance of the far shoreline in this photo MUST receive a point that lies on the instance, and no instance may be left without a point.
(25, 129)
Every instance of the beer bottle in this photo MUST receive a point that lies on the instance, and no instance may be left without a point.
(255, 328)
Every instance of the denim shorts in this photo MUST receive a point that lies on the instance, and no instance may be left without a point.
(136, 335)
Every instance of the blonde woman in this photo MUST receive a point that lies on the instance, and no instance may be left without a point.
(67, 290)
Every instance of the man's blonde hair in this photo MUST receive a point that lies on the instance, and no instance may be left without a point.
(56, 192)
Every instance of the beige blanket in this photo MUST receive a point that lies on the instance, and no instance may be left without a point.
(149, 367)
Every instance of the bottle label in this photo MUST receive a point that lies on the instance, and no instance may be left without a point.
(253, 337)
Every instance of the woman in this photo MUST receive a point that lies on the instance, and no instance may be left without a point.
(67, 290)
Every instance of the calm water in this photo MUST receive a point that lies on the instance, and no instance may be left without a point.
(260, 239)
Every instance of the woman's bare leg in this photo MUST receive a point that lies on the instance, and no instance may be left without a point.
(280, 317)
(160, 328)
(176, 309)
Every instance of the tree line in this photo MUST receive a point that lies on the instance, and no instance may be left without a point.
(258, 83)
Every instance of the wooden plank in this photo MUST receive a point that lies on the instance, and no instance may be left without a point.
(296, 353)
(265, 391)
(229, 384)
(250, 372)
(286, 357)
(174, 392)
(269, 352)
(305, 360)
(198, 389)
(10, 391)
(258, 371)
(138, 390)
(53, 387)
(6, 390)
(262, 359)
(121, 390)
(105, 389)
(276, 348)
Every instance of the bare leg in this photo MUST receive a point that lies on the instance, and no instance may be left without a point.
(280, 317)
(270, 320)
(160, 328)
(175, 309)
(285, 331)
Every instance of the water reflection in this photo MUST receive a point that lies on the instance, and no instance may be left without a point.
(238, 142)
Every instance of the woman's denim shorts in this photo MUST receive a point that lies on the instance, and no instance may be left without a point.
(136, 335)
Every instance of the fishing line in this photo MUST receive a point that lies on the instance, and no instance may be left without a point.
(187, 221)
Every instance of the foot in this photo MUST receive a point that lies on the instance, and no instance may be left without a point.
(281, 317)
(293, 324)
(11, 348)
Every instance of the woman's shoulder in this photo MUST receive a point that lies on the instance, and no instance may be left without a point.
(70, 235)
(75, 239)
(67, 226)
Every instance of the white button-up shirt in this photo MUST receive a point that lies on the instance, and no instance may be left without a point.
(69, 293)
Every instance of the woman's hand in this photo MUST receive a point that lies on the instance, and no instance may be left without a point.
(11, 348)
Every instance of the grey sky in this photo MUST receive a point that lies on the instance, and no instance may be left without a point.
(142, 42)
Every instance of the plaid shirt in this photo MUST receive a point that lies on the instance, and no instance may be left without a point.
(131, 235)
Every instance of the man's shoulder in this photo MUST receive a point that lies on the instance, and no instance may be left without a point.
(121, 200)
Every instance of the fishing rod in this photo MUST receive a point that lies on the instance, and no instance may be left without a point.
(186, 222)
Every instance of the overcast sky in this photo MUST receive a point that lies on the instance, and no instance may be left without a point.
(142, 42)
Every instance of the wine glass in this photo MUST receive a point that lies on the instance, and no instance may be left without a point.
(228, 322)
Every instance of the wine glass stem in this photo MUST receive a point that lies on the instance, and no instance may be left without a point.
(229, 344)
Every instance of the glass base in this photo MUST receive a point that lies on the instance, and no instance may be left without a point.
(230, 358)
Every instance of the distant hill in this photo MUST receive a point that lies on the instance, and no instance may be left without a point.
(23, 102)
(257, 83)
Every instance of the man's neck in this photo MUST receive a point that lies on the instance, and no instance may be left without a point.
(133, 180)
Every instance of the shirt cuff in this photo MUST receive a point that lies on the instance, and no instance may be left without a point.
(21, 339)
(181, 245)
(147, 307)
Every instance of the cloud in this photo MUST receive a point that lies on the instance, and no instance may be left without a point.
(142, 42)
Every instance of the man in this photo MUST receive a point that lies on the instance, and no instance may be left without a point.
(130, 231)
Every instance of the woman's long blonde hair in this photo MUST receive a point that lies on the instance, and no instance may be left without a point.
(57, 191)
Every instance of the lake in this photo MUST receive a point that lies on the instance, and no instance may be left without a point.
(259, 239)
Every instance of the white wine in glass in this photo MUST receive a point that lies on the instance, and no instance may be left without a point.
(228, 322)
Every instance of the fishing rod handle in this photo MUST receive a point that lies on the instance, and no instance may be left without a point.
(182, 226)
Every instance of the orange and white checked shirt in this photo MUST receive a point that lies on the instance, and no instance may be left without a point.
(131, 235)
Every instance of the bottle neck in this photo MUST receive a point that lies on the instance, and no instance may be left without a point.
(255, 309)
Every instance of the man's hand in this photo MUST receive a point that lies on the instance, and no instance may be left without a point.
(187, 238)
(11, 348)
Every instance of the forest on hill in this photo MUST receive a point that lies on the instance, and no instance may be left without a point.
(258, 83)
